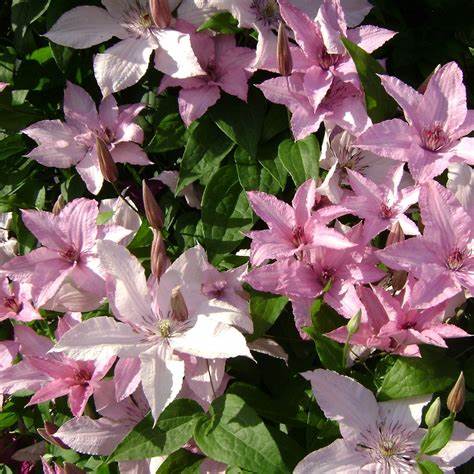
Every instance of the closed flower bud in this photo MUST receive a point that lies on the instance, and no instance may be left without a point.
(395, 235)
(153, 211)
(432, 415)
(161, 13)
(71, 469)
(59, 205)
(354, 323)
(285, 61)
(159, 259)
(179, 310)
(457, 395)
(107, 164)
(48, 432)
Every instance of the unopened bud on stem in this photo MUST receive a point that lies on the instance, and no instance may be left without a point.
(153, 211)
(354, 323)
(179, 309)
(159, 259)
(107, 164)
(285, 61)
(59, 205)
(160, 13)
(396, 235)
(432, 415)
(457, 395)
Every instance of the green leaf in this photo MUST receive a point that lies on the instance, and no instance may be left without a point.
(174, 428)
(300, 158)
(222, 22)
(330, 352)
(7, 419)
(181, 462)
(11, 146)
(437, 438)
(380, 106)
(265, 309)
(207, 146)
(235, 435)
(409, 377)
(241, 122)
(252, 175)
(226, 213)
(429, 467)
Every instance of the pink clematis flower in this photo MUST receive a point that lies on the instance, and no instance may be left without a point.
(376, 437)
(68, 252)
(294, 228)
(335, 270)
(15, 302)
(151, 329)
(125, 63)
(52, 376)
(394, 325)
(461, 184)
(437, 122)
(324, 84)
(381, 206)
(73, 142)
(338, 155)
(442, 258)
(226, 67)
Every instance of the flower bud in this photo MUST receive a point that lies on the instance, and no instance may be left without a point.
(71, 469)
(161, 13)
(432, 415)
(354, 323)
(285, 61)
(107, 164)
(158, 258)
(59, 205)
(48, 432)
(179, 310)
(457, 395)
(153, 212)
(399, 279)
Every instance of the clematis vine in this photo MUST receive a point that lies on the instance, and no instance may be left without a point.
(376, 437)
(437, 121)
(74, 142)
(155, 326)
(133, 22)
(226, 67)
(441, 259)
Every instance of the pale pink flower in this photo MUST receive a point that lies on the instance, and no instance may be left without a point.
(441, 259)
(324, 84)
(338, 155)
(125, 63)
(437, 120)
(3, 86)
(15, 301)
(73, 142)
(8, 352)
(293, 229)
(8, 245)
(226, 67)
(52, 376)
(381, 205)
(394, 325)
(149, 329)
(68, 252)
(376, 437)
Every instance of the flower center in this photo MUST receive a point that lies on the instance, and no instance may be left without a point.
(137, 21)
(385, 211)
(214, 289)
(83, 376)
(408, 325)
(298, 236)
(70, 254)
(326, 60)
(164, 327)
(456, 259)
(211, 70)
(12, 303)
(266, 11)
(326, 276)
(434, 138)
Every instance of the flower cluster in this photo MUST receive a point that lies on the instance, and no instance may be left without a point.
(110, 313)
